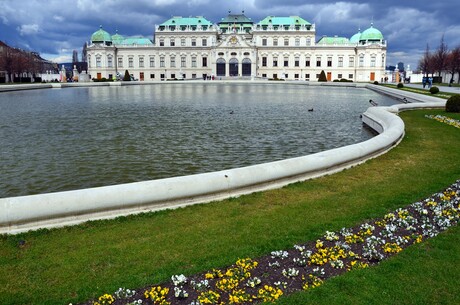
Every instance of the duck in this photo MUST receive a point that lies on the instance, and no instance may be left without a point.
(373, 103)
(310, 110)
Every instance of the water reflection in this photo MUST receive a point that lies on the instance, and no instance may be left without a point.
(54, 140)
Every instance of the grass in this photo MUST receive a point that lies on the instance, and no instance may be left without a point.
(78, 263)
(440, 94)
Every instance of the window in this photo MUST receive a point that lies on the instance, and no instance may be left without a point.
(152, 75)
(275, 62)
(275, 76)
(296, 62)
(307, 62)
(120, 62)
(383, 61)
(173, 62)
(204, 42)
(297, 42)
(373, 61)
(264, 75)
(162, 42)
(286, 75)
(172, 42)
(173, 76)
(193, 75)
(162, 76)
(361, 60)
(286, 41)
(141, 62)
(317, 75)
(318, 61)
(89, 60)
(264, 61)
(182, 42)
(351, 61)
(296, 76)
(329, 61)
(339, 75)
(194, 62)
(275, 42)
(205, 61)
(98, 61)
(307, 76)
(182, 61)
(340, 61)
(350, 76)
(130, 62)
(264, 41)
(286, 62)
(193, 42)
(308, 41)
(110, 61)
(162, 62)
(152, 62)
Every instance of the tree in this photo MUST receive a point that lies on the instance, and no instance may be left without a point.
(440, 57)
(426, 62)
(453, 63)
(127, 76)
(322, 77)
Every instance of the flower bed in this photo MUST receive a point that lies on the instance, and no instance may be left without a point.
(305, 266)
(445, 120)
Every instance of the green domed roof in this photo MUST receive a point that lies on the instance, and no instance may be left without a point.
(355, 38)
(101, 36)
(371, 34)
(117, 38)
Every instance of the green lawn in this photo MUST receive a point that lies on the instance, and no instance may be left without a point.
(81, 262)
(440, 94)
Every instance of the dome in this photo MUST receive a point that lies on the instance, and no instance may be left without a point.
(355, 38)
(101, 36)
(371, 34)
(117, 38)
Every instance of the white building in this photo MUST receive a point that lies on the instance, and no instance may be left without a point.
(274, 48)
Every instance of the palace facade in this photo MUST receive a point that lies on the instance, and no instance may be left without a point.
(236, 47)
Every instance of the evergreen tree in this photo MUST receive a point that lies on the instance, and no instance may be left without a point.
(322, 77)
(127, 76)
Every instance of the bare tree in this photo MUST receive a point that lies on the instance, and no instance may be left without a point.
(440, 57)
(453, 63)
(426, 62)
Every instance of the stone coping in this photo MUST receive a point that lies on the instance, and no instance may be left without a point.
(24, 213)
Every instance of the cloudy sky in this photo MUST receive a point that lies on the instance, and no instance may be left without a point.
(55, 28)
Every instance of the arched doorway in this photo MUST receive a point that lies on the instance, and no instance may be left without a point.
(246, 67)
(220, 67)
(233, 67)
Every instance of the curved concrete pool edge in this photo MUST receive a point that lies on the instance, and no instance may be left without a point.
(24, 213)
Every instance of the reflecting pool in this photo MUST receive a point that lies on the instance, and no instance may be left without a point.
(62, 139)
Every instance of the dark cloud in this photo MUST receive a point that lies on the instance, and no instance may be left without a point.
(55, 27)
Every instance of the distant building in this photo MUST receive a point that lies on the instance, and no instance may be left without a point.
(275, 47)
(17, 65)
(401, 67)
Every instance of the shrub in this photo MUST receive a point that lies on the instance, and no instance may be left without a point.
(376, 82)
(346, 80)
(400, 85)
(322, 77)
(453, 103)
(127, 77)
(336, 81)
(434, 90)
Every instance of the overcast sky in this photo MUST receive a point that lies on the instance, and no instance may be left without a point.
(55, 28)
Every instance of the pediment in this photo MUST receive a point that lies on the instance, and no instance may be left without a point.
(234, 41)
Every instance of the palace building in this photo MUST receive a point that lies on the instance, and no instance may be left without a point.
(236, 47)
